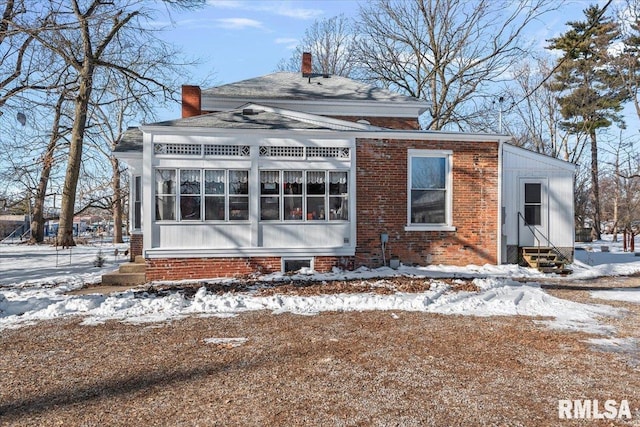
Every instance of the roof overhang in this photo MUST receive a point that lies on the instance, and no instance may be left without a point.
(541, 157)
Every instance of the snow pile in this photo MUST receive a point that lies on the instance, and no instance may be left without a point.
(497, 297)
(34, 281)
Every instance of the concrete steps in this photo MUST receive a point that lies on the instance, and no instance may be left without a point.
(131, 273)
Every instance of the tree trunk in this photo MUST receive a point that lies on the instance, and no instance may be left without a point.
(37, 221)
(37, 216)
(616, 199)
(117, 201)
(67, 207)
(595, 188)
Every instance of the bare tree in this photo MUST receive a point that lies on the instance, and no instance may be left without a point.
(534, 113)
(58, 132)
(448, 52)
(330, 42)
(90, 36)
(111, 114)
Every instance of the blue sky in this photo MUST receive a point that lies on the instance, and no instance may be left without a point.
(240, 39)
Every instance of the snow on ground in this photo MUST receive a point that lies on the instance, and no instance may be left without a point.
(34, 281)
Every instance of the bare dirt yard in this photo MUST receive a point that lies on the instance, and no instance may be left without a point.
(352, 369)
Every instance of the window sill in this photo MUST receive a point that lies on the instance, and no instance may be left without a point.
(425, 227)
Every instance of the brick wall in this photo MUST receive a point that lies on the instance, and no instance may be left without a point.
(382, 205)
(191, 101)
(135, 246)
(203, 268)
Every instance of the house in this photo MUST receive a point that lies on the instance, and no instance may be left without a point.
(300, 169)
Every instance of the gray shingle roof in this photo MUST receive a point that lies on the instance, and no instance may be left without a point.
(293, 86)
(242, 119)
(238, 119)
(130, 141)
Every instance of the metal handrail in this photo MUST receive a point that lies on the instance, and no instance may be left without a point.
(533, 232)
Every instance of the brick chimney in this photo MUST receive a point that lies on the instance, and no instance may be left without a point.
(191, 101)
(306, 64)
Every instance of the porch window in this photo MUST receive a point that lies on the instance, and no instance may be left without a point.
(429, 182)
(316, 189)
(226, 195)
(295, 195)
(338, 196)
(292, 192)
(211, 195)
(533, 203)
(238, 195)
(165, 194)
(214, 195)
(269, 195)
(190, 197)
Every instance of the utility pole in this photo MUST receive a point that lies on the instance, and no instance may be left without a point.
(500, 101)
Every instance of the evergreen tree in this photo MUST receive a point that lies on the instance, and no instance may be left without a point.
(590, 94)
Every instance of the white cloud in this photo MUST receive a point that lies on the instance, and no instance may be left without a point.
(239, 23)
(283, 9)
(227, 4)
(290, 43)
(298, 13)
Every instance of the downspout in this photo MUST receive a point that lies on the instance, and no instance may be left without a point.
(500, 219)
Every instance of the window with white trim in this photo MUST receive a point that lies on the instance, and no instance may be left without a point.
(429, 182)
(533, 203)
(165, 194)
(137, 202)
(190, 197)
(225, 194)
(296, 195)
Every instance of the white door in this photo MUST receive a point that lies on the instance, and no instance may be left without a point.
(533, 212)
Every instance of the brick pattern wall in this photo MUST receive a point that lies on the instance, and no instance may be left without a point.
(191, 101)
(382, 205)
(203, 268)
(407, 123)
(135, 246)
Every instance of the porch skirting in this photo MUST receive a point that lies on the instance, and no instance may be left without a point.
(158, 269)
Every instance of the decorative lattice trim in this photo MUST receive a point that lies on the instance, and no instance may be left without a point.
(184, 149)
(329, 152)
(279, 151)
(227, 150)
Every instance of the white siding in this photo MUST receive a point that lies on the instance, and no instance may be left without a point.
(558, 178)
(325, 235)
(252, 237)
